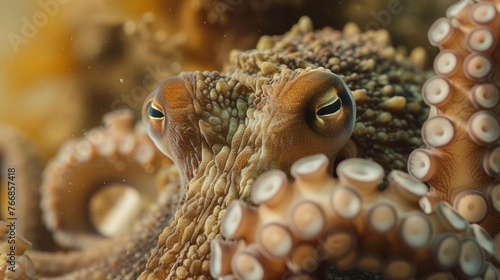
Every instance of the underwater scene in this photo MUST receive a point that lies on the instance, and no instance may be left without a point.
(233, 139)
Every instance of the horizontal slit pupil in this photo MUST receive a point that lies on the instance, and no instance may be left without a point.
(155, 113)
(331, 108)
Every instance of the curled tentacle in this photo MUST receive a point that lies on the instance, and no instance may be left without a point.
(111, 168)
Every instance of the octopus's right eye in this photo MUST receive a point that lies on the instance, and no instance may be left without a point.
(155, 113)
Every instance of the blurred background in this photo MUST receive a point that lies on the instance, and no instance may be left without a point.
(65, 63)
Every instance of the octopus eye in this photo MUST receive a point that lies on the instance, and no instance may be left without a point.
(155, 113)
(331, 110)
(331, 107)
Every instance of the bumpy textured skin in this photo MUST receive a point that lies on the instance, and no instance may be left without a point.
(386, 103)
(224, 130)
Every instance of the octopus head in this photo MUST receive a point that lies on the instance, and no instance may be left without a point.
(270, 119)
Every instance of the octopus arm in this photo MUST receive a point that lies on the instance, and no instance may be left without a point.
(460, 163)
(348, 223)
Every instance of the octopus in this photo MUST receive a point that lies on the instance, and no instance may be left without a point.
(277, 166)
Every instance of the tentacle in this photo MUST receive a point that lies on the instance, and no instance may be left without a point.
(110, 170)
(461, 162)
(348, 223)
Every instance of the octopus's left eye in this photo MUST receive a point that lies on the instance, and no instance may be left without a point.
(155, 113)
